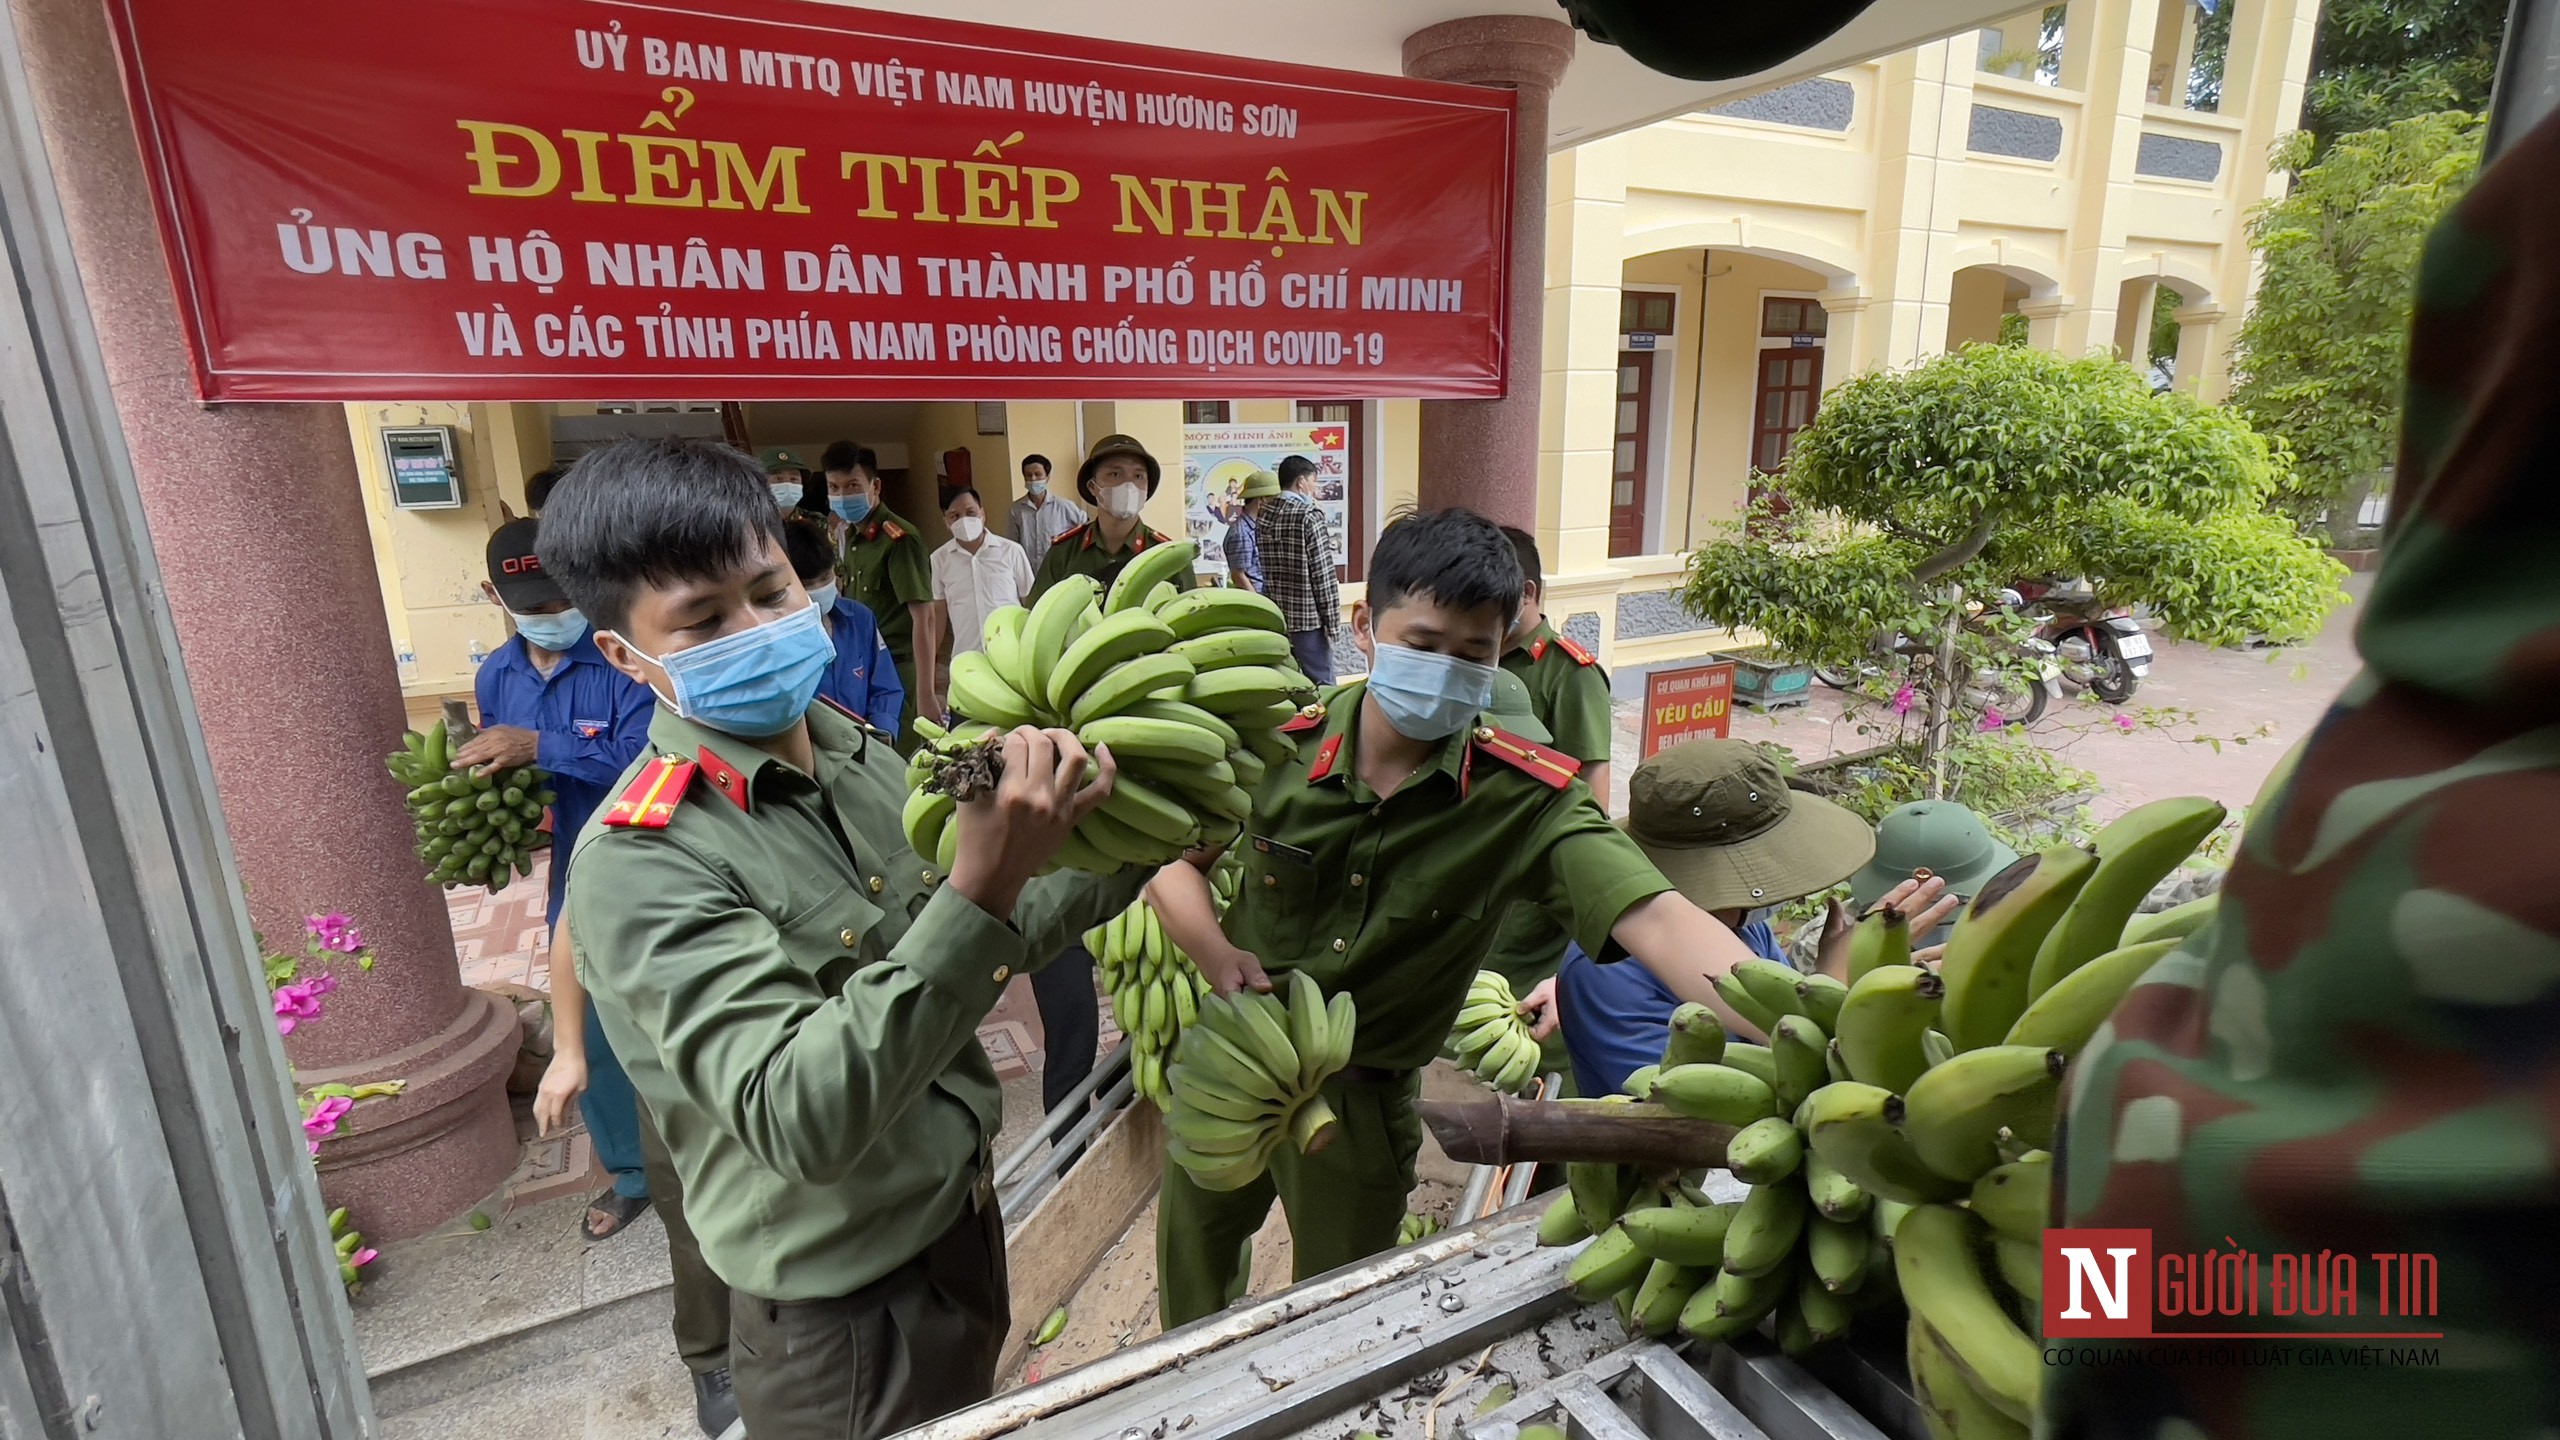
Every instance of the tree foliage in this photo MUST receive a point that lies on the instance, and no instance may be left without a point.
(1996, 463)
(2321, 354)
(2376, 62)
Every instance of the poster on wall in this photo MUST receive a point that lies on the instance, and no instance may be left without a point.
(772, 200)
(1217, 458)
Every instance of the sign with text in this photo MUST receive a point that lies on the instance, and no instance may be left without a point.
(561, 199)
(1695, 703)
(1217, 458)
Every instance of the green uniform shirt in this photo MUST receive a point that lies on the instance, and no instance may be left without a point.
(887, 568)
(1571, 698)
(1567, 692)
(796, 996)
(1082, 551)
(1397, 899)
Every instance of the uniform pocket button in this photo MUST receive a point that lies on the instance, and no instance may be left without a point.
(1003, 973)
(848, 937)
(877, 884)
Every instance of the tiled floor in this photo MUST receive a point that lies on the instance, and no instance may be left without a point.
(501, 940)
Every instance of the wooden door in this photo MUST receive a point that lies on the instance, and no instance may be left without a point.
(1633, 452)
(1790, 389)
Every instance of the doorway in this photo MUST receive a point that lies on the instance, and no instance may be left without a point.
(1632, 451)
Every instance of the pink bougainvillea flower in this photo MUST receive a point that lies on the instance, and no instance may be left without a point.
(300, 1001)
(1990, 720)
(322, 1122)
(365, 1255)
(335, 932)
(324, 984)
(2124, 722)
(1903, 700)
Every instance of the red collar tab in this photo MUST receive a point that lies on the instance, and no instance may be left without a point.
(725, 778)
(1307, 718)
(1324, 758)
(1466, 771)
(1537, 649)
(650, 802)
(1548, 767)
(1580, 656)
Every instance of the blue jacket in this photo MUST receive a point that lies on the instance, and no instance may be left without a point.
(1617, 1017)
(864, 678)
(592, 719)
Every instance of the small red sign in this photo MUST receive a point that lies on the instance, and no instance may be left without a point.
(1691, 704)
(2097, 1282)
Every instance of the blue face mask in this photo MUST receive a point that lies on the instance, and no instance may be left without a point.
(823, 597)
(754, 683)
(1428, 696)
(551, 632)
(850, 508)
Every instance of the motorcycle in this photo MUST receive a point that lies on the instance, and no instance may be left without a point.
(2104, 652)
(2017, 692)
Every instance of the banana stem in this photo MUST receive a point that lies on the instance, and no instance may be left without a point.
(1313, 1126)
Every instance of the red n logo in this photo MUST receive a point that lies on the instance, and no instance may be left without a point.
(2097, 1282)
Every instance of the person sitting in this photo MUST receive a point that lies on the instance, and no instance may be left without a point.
(864, 676)
(1717, 819)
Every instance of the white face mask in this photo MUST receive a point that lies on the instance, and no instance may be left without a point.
(967, 529)
(1124, 501)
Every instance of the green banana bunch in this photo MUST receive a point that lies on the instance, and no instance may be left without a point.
(472, 829)
(1491, 1039)
(1247, 1077)
(1417, 1227)
(1186, 690)
(2134, 851)
(1155, 991)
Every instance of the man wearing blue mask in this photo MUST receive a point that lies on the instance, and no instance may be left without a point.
(548, 698)
(1380, 861)
(887, 570)
(795, 992)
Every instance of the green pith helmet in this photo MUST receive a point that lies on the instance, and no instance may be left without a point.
(1938, 836)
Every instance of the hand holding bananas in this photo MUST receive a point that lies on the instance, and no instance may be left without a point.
(474, 828)
(1016, 814)
(1919, 1102)
(1186, 690)
(1248, 1076)
(1491, 1039)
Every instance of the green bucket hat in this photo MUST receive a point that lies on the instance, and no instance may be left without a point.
(1260, 485)
(1510, 707)
(1717, 819)
(1938, 836)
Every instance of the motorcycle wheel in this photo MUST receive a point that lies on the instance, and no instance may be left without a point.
(2115, 682)
(2022, 703)
(1836, 679)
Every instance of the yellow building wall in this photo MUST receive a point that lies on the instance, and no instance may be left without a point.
(1719, 485)
(1973, 312)
(1038, 427)
(431, 562)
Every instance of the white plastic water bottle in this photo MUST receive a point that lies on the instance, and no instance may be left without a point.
(479, 652)
(408, 656)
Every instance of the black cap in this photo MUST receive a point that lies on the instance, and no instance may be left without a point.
(517, 572)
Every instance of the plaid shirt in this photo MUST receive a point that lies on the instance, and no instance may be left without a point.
(1242, 553)
(1297, 564)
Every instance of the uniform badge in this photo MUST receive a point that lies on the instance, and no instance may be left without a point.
(1265, 845)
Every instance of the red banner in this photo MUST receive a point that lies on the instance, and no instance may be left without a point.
(579, 199)
(1695, 703)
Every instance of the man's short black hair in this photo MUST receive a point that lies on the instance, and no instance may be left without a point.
(811, 548)
(1040, 460)
(841, 456)
(1295, 469)
(1454, 556)
(653, 512)
(959, 490)
(538, 487)
(1524, 548)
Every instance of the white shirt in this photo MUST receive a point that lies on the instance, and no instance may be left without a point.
(976, 586)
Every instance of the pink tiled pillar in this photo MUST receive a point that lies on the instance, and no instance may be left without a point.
(1484, 453)
(259, 530)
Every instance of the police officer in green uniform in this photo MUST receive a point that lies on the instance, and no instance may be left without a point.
(1569, 693)
(887, 568)
(796, 993)
(1117, 479)
(1380, 862)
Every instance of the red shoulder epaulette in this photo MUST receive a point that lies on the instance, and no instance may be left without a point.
(650, 802)
(1550, 767)
(1307, 718)
(1580, 655)
(892, 530)
(1071, 533)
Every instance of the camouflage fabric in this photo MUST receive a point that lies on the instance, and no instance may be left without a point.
(2362, 1054)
